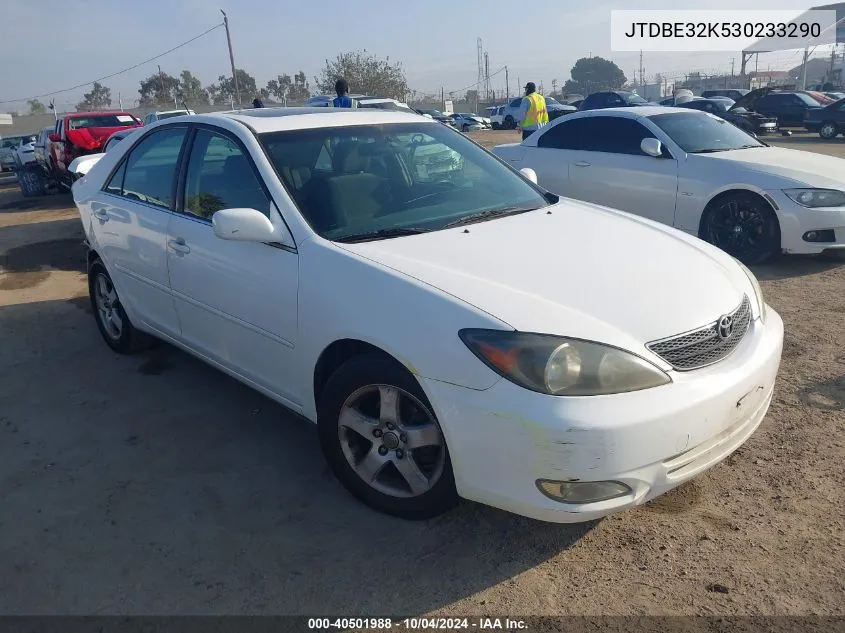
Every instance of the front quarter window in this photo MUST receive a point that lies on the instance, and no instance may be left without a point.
(383, 180)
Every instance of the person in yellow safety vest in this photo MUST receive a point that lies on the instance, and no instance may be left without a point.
(532, 112)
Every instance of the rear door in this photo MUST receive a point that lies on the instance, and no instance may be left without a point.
(131, 215)
(612, 170)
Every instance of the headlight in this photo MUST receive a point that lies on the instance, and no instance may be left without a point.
(758, 292)
(562, 366)
(813, 198)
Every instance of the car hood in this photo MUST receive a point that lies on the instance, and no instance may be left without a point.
(573, 269)
(800, 167)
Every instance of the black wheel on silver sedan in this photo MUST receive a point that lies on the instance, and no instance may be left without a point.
(114, 325)
(743, 225)
(383, 441)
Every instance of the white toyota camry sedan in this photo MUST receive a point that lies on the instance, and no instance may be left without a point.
(450, 327)
(696, 172)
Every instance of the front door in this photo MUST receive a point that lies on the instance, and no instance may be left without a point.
(130, 218)
(236, 301)
(612, 170)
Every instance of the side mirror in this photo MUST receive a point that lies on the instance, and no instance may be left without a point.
(55, 137)
(243, 225)
(529, 173)
(652, 147)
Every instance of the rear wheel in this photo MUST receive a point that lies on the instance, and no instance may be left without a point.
(828, 130)
(509, 122)
(114, 325)
(383, 441)
(743, 225)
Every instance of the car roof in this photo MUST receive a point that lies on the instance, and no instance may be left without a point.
(262, 120)
(74, 115)
(635, 112)
(170, 111)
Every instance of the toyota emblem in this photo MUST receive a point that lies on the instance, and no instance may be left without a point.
(725, 327)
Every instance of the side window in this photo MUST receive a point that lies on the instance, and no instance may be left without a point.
(615, 135)
(614, 99)
(565, 135)
(115, 185)
(220, 176)
(150, 168)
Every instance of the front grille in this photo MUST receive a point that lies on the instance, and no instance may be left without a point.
(704, 346)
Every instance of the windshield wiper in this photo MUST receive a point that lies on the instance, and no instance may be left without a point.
(713, 150)
(381, 234)
(486, 215)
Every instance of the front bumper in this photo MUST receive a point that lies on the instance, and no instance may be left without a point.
(797, 221)
(503, 439)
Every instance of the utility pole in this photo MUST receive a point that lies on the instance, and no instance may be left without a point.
(554, 87)
(119, 101)
(442, 99)
(231, 57)
(832, 63)
(641, 68)
(804, 69)
(486, 76)
(732, 65)
(161, 80)
(507, 85)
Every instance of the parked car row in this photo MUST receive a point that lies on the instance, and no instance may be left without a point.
(582, 360)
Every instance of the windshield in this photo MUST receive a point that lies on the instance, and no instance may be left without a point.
(552, 100)
(101, 120)
(699, 133)
(349, 181)
(631, 98)
(11, 141)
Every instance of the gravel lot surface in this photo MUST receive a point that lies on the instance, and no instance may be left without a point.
(155, 484)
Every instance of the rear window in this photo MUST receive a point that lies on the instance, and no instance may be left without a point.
(169, 115)
(101, 120)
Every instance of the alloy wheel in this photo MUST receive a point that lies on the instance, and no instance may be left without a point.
(391, 440)
(105, 297)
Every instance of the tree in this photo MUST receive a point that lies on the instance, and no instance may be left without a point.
(590, 74)
(98, 99)
(225, 88)
(365, 74)
(36, 107)
(190, 89)
(158, 89)
(471, 96)
(284, 88)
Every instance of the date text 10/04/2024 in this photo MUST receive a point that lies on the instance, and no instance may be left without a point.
(417, 624)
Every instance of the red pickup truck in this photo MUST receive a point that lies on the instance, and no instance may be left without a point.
(82, 133)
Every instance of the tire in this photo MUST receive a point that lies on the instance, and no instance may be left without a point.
(495, 126)
(834, 256)
(368, 458)
(828, 130)
(125, 338)
(743, 225)
(509, 123)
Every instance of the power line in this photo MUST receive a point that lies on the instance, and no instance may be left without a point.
(119, 72)
(477, 83)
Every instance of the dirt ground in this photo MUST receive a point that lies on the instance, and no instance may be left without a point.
(157, 485)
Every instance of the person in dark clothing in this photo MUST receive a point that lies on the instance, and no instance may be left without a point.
(343, 100)
(257, 103)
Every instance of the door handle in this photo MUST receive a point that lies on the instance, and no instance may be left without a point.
(179, 245)
(582, 163)
(100, 214)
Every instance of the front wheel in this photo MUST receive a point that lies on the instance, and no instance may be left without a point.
(743, 225)
(382, 440)
(509, 123)
(828, 130)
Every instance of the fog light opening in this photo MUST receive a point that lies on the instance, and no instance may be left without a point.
(824, 235)
(579, 492)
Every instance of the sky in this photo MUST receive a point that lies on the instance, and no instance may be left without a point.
(436, 40)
